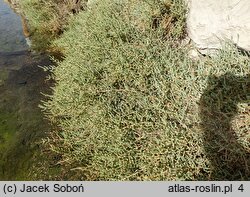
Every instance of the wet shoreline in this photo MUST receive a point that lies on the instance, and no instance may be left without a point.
(22, 82)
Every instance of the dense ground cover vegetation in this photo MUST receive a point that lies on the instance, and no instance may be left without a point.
(48, 18)
(129, 104)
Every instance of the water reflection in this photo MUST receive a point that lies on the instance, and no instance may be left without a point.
(21, 82)
(11, 32)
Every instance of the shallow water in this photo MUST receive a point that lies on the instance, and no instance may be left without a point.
(11, 33)
(21, 82)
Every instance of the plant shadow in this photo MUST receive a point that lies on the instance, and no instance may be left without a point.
(230, 160)
(22, 123)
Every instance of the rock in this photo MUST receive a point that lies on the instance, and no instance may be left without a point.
(211, 23)
(91, 3)
(28, 41)
(194, 54)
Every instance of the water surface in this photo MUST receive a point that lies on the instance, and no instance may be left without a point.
(22, 80)
(11, 32)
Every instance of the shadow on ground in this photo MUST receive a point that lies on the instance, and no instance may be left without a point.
(21, 121)
(230, 159)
